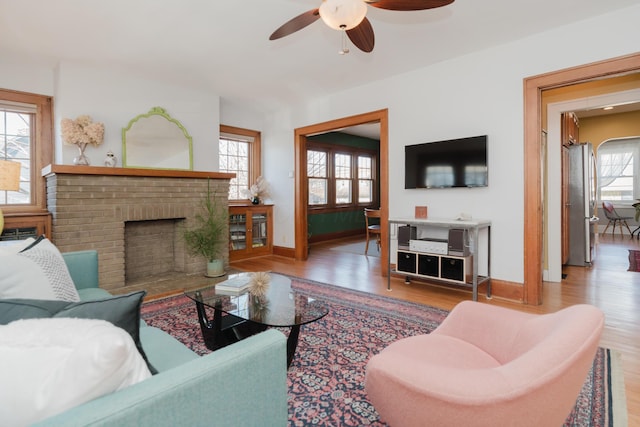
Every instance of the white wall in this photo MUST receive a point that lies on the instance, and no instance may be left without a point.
(115, 96)
(476, 94)
(481, 93)
(33, 77)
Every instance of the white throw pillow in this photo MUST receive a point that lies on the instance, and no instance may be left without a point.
(12, 247)
(51, 365)
(36, 272)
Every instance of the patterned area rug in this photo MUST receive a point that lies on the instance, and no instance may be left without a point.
(326, 378)
(634, 260)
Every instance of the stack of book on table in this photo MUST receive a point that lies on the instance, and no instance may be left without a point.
(234, 285)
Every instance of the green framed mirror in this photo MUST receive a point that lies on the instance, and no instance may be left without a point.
(156, 140)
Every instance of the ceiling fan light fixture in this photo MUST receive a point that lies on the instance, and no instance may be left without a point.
(343, 15)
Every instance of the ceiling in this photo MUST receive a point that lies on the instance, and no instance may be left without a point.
(625, 107)
(223, 46)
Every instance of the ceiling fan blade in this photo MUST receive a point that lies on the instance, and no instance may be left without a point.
(362, 36)
(295, 24)
(405, 5)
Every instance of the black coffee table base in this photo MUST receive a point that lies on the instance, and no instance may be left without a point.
(229, 329)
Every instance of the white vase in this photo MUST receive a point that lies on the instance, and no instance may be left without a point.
(215, 268)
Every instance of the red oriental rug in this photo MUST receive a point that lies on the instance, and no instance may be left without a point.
(634, 260)
(326, 378)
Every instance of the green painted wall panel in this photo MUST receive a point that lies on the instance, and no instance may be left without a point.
(334, 222)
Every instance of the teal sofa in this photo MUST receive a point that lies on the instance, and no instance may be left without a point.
(244, 384)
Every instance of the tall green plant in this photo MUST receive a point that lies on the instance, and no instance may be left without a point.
(208, 237)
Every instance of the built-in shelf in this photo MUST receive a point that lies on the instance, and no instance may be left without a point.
(250, 231)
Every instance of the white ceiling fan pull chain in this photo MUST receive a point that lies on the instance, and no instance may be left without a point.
(344, 49)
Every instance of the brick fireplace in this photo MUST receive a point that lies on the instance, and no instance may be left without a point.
(132, 217)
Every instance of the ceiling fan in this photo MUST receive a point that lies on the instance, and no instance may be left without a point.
(349, 17)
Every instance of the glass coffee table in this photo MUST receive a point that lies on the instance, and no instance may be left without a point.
(237, 315)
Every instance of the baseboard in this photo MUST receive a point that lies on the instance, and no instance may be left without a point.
(285, 252)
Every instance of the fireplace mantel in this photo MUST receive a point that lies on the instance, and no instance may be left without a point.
(156, 173)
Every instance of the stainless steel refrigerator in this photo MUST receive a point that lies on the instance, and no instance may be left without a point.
(582, 203)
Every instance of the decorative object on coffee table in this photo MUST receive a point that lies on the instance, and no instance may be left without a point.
(209, 235)
(81, 132)
(259, 283)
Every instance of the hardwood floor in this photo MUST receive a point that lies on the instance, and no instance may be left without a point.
(607, 284)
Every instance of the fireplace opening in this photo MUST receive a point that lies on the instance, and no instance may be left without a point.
(152, 248)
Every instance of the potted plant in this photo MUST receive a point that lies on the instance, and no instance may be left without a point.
(209, 237)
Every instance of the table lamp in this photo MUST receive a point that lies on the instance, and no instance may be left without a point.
(9, 181)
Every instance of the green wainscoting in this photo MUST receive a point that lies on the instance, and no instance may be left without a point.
(332, 225)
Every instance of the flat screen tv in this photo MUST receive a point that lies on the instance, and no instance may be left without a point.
(447, 164)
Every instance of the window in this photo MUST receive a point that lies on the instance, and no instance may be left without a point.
(475, 175)
(340, 176)
(318, 177)
(26, 137)
(440, 176)
(618, 164)
(343, 179)
(16, 127)
(239, 153)
(365, 179)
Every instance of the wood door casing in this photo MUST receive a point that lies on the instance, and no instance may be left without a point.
(565, 205)
(533, 194)
(301, 191)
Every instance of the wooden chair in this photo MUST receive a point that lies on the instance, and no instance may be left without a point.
(372, 229)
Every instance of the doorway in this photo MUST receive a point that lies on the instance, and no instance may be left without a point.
(534, 163)
(300, 141)
(555, 110)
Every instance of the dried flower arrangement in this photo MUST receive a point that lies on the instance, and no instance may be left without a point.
(82, 131)
(258, 191)
(259, 284)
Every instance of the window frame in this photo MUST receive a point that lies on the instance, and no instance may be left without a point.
(331, 150)
(634, 150)
(324, 178)
(41, 149)
(372, 179)
(255, 163)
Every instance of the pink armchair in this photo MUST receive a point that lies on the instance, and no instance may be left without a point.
(487, 366)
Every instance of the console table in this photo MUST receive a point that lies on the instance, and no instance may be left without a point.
(440, 259)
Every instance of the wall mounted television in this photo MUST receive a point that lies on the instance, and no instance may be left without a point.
(447, 164)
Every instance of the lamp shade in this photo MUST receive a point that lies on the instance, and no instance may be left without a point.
(9, 175)
(343, 14)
